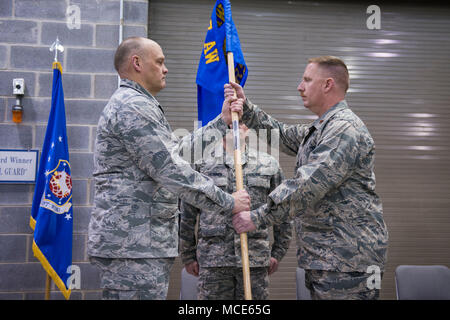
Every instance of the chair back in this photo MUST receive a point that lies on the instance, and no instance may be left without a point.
(302, 292)
(188, 289)
(422, 282)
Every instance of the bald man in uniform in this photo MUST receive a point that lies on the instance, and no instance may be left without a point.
(139, 176)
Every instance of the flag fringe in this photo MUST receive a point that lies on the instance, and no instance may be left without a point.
(49, 269)
(32, 223)
(57, 65)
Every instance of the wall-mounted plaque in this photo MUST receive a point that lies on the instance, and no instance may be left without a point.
(18, 166)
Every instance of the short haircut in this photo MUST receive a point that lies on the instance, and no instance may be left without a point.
(336, 68)
(128, 46)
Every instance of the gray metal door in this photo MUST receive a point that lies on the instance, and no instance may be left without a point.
(399, 87)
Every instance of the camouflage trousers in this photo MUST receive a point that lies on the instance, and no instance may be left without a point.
(134, 279)
(329, 285)
(226, 283)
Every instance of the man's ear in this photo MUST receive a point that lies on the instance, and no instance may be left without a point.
(136, 63)
(329, 84)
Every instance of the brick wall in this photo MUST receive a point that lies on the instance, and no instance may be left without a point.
(27, 29)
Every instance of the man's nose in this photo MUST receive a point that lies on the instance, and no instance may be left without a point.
(300, 87)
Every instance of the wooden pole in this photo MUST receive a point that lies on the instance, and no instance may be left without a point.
(48, 281)
(239, 184)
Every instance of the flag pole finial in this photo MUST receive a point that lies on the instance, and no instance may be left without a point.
(56, 46)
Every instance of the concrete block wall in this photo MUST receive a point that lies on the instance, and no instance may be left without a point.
(27, 29)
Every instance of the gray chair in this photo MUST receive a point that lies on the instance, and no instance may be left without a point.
(302, 292)
(189, 282)
(188, 289)
(422, 282)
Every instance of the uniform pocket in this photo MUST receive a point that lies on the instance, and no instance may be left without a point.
(164, 228)
(163, 210)
(220, 181)
(258, 181)
(212, 230)
(259, 234)
(164, 204)
(259, 188)
(164, 195)
(131, 227)
(213, 224)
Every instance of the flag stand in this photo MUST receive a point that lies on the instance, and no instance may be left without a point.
(48, 281)
(239, 184)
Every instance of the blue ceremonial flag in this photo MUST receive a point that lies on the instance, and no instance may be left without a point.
(51, 211)
(212, 74)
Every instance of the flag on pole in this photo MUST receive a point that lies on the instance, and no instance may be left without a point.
(51, 211)
(212, 74)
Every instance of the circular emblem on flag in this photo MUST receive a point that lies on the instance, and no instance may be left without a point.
(61, 184)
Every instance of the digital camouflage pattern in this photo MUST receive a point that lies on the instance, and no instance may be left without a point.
(134, 279)
(338, 215)
(218, 250)
(218, 243)
(139, 176)
(226, 283)
(329, 285)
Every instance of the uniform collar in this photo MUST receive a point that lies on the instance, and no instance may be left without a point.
(229, 158)
(136, 86)
(320, 122)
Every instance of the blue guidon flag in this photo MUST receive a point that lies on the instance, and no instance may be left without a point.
(52, 211)
(212, 74)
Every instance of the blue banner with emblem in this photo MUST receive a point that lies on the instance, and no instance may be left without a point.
(52, 211)
(212, 74)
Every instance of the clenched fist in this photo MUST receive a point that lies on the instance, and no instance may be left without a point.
(241, 201)
(242, 222)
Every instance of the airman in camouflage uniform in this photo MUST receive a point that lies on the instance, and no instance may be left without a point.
(139, 175)
(338, 216)
(218, 251)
